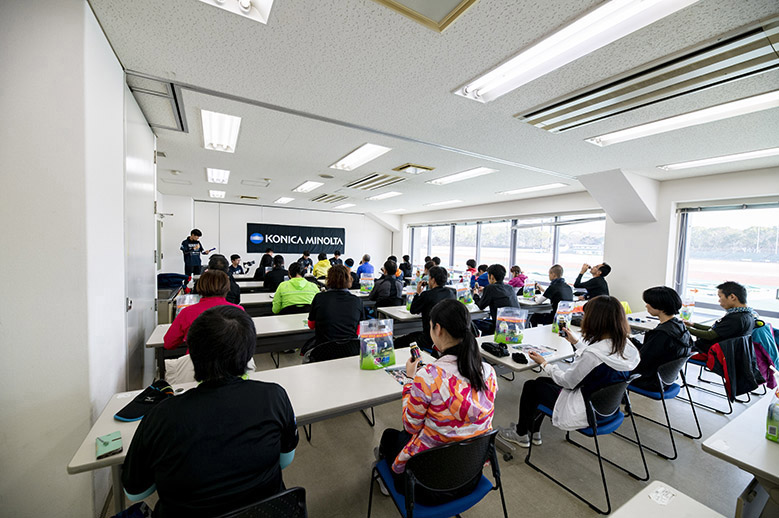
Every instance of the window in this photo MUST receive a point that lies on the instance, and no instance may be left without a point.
(495, 243)
(534, 251)
(419, 250)
(579, 243)
(739, 245)
(440, 243)
(464, 245)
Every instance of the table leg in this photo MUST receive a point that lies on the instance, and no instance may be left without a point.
(118, 490)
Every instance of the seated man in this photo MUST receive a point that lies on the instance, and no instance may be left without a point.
(739, 319)
(222, 444)
(481, 278)
(321, 267)
(355, 280)
(235, 265)
(297, 291)
(597, 285)
(336, 259)
(424, 301)
(276, 276)
(388, 289)
(557, 291)
(495, 295)
(406, 267)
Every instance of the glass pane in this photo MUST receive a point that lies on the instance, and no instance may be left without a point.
(496, 243)
(735, 245)
(440, 241)
(534, 249)
(579, 244)
(464, 245)
(420, 245)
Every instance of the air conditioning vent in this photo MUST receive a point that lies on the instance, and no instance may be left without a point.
(250, 197)
(375, 181)
(734, 56)
(329, 198)
(413, 168)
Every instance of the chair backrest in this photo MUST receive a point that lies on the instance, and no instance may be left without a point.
(287, 504)
(668, 371)
(453, 465)
(333, 350)
(295, 308)
(606, 400)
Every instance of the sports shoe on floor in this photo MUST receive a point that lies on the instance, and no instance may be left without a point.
(537, 439)
(382, 487)
(510, 434)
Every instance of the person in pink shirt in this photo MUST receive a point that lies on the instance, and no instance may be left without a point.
(213, 286)
(517, 277)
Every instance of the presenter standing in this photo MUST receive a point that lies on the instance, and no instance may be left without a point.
(191, 247)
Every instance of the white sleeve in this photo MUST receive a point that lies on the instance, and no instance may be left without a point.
(570, 378)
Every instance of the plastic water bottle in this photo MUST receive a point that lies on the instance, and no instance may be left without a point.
(772, 419)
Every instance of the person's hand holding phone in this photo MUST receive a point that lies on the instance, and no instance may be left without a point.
(571, 337)
(421, 287)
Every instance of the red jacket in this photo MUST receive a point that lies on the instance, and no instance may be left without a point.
(177, 333)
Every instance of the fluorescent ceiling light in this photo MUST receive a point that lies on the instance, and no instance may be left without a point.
(465, 175)
(394, 211)
(713, 113)
(216, 194)
(448, 202)
(384, 196)
(534, 188)
(217, 175)
(220, 131)
(360, 156)
(283, 200)
(307, 186)
(596, 29)
(344, 206)
(749, 155)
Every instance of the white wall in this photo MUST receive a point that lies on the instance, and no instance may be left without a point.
(175, 228)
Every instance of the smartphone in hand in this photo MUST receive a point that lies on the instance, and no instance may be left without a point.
(415, 353)
(561, 329)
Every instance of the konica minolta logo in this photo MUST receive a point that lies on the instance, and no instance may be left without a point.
(257, 238)
(300, 240)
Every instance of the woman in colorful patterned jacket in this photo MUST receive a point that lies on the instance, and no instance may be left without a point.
(449, 400)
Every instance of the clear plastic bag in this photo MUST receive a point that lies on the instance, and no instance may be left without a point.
(509, 324)
(366, 282)
(563, 316)
(464, 294)
(529, 289)
(377, 349)
(183, 301)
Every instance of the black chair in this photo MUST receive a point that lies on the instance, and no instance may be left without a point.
(444, 469)
(604, 417)
(668, 389)
(287, 504)
(295, 308)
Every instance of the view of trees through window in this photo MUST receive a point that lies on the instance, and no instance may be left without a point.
(736, 245)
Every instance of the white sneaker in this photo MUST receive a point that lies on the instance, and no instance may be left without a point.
(382, 487)
(510, 434)
(537, 439)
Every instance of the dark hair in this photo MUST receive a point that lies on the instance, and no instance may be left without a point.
(557, 270)
(516, 270)
(428, 265)
(470, 263)
(306, 253)
(349, 262)
(483, 268)
(604, 270)
(453, 316)
(322, 256)
(278, 261)
(218, 262)
(338, 278)
(269, 250)
(604, 317)
(213, 283)
(391, 267)
(234, 257)
(427, 258)
(663, 298)
(337, 253)
(497, 271)
(406, 258)
(729, 288)
(195, 232)
(392, 258)
(438, 274)
(366, 258)
(436, 260)
(221, 342)
(294, 269)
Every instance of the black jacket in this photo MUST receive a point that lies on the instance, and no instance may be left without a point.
(668, 341)
(595, 286)
(732, 325)
(734, 360)
(387, 291)
(424, 303)
(557, 291)
(406, 268)
(337, 314)
(497, 296)
(266, 261)
(273, 278)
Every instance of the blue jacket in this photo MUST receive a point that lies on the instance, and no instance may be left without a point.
(364, 268)
(482, 279)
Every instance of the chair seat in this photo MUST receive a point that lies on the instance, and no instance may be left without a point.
(671, 391)
(439, 511)
(699, 359)
(606, 425)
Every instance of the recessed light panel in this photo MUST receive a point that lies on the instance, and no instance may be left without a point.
(738, 157)
(440, 203)
(216, 194)
(534, 188)
(307, 186)
(360, 156)
(217, 175)
(394, 211)
(344, 206)
(220, 131)
(283, 200)
(384, 196)
(465, 175)
(412, 168)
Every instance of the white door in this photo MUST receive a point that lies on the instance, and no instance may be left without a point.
(140, 243)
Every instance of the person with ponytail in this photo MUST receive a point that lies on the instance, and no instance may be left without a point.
(451, 399)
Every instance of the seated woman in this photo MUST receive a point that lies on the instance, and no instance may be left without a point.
(212, 287)
(606, 357)
(668, 341)
(517, 277)
(276, 276)
(451, 399)
(248, 426)
(297, 291)
(335, 314)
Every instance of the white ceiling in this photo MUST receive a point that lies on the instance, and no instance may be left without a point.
(361, 63)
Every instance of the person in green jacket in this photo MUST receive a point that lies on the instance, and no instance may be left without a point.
(296, 291)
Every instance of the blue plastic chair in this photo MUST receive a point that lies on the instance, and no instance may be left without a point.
(444, 468)
(604, 417)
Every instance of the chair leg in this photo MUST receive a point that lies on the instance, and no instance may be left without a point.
(666, 425)
(374, 476)
(275, 359)
(763, 393)
(701, 405)
(372, 419)
(506, 377)
(307, 431)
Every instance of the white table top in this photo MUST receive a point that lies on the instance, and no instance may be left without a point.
(649, 322)
(250, 284)
(650, 503)
(266, 326)
(541, 335)
(243, 277)
(401, 314)
(742, 442)
(317, 391)
(259, 299)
